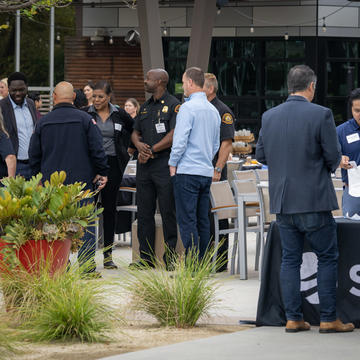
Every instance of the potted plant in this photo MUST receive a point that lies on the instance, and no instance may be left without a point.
(43, 222)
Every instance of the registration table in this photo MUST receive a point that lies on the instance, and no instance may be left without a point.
(270, 311)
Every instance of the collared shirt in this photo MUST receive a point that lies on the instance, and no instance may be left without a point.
(25, 128)
(349, 138)
(197, 137)
(156, 118)
(227, 129)
(107, 129)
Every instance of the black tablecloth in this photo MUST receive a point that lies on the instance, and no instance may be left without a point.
(123, 218)
(270, 311)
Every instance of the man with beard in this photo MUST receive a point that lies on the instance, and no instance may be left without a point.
(152, 136)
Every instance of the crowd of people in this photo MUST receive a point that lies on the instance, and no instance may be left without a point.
(92, 139)
(181, 148)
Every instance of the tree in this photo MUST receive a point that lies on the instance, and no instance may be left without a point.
(31, 6)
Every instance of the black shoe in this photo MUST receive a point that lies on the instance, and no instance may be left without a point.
(109, 264)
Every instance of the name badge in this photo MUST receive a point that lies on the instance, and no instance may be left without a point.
(160, 128)
(118, 127)
(352, 138)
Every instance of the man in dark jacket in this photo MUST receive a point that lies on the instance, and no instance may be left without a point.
(68, 139)
(19, 114)
(299, 144)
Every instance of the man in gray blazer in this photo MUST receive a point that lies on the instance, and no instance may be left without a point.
(299, 144)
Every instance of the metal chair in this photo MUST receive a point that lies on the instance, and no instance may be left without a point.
(132, 207)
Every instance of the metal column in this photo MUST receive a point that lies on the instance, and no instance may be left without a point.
(150, 34)
(52, 47)
(17, 41)
(203, 20)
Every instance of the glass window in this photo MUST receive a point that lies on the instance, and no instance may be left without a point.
(291, 49)
(342, 78)
(339, 109)
(275, 78)
(342, 49)
(176, 48)
(235, 78)
(270, 103)
(248, 109)
(230, 48)
(175, 70)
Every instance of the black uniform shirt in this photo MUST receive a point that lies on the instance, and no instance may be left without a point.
(156, 118)
(6, 149)
(227, 129)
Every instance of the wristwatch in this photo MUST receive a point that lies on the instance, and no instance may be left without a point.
(218, 169)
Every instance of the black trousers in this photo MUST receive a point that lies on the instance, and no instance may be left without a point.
(108, 201)
(153, 182)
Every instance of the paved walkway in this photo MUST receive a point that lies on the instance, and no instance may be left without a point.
(270, 343)
(239, 302)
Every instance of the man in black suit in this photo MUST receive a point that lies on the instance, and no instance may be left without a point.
(299, 144)
(20, 117)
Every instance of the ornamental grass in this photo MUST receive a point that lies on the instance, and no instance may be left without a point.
(178, 298)
(61, 307)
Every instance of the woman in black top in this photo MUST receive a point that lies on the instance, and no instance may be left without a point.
(116, 127)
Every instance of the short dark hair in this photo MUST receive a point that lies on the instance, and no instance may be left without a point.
(299, 78)
(17, 76)
(354, 95)
(196, 75)
(34, 95)
(80, 99)
(90, 84)
(103, 85)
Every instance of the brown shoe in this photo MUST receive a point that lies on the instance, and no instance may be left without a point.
(296, 326)
(335, 326)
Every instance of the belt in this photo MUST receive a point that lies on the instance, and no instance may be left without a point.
(23, 161)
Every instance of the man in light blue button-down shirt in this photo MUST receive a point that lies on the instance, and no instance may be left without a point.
(195, 143)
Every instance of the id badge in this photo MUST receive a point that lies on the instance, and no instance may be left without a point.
(160, 128)
(118, 127)
(352, 138)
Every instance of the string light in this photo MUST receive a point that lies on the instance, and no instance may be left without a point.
(218, 10)
(165, 29)
(286, 36)
(252, 30)
(324, 25)
(111, 40)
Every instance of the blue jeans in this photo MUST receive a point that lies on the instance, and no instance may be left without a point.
(191, 194)
(319, 228)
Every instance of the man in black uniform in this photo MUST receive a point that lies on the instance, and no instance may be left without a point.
(68, 139)
(152, 136)
(220, 171)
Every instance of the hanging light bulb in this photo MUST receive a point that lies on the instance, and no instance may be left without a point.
(165, 29)
(324, 25)
(252, 29)
(218, 10)
(111, 40)
(286, 36)
(58, 37)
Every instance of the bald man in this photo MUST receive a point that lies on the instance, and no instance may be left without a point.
(152, 136)
(68, 139)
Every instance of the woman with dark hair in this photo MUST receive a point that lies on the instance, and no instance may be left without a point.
(116, 126)
(80, 100)
(88, 91)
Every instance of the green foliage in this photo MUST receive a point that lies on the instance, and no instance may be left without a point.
(179, 299)
(35, 44)
(52, 211)
(6, 341)
(62, 307)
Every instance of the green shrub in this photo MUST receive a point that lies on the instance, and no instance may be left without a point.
(6, 341)
(176, 299)
(63, 307)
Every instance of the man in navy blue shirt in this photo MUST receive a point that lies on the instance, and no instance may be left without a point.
(68, 139)
(349, 138)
